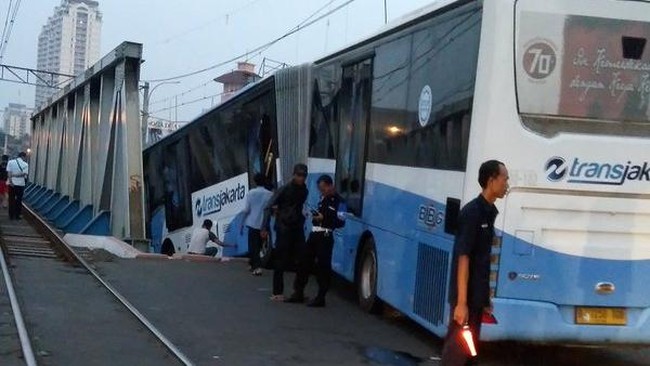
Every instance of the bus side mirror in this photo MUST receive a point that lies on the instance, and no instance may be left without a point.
(451, 215)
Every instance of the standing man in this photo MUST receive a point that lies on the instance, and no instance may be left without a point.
(287, 203)
(470, 283)
(256, 200)
(17, 178)
(200, 239)
(329, 217)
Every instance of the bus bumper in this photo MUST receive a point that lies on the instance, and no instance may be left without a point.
(532, 321)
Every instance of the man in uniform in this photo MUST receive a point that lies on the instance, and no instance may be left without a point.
(470, 283)
(329, 217)
(287, 203)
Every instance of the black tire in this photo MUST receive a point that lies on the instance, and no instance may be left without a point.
(367, 279)
(167, 248)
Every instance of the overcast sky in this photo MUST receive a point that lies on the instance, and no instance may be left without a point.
(183, 36)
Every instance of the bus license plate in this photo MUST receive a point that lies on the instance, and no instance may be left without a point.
(601, 316)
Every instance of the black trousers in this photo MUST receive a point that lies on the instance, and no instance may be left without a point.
(288, 243)
(254, 247)
(317, 255)
(454, 352)
(15, 201)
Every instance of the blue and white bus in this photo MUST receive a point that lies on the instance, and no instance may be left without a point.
(558, 89)
(204, 170)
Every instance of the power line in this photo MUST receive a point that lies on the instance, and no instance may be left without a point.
(262, 47)
(9, 28)
(197, 87)
(4, 29)
(187, 103)
(203, 25)
(188, 91)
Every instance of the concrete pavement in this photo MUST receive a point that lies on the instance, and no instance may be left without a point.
(219, 314)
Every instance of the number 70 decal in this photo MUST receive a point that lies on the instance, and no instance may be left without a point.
(539, 60)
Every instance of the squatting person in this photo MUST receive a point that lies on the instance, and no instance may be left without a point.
(200, 239)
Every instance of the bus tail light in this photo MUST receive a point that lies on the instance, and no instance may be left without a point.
(487, 318)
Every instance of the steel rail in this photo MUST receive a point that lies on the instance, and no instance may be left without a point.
(58, 242)
(25, 343)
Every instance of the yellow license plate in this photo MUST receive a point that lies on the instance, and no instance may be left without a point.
(601, 316)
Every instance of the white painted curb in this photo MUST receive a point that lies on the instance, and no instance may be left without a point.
(108, 243)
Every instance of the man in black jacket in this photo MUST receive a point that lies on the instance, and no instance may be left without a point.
(329, 217)
(287, 204)
(469, 294)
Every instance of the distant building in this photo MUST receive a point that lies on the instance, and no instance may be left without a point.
(237, 79)
(69, 43)
(16, 120)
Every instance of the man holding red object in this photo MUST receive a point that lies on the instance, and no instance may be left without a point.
(470, 283)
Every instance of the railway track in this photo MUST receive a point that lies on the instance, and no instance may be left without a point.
(33, 239)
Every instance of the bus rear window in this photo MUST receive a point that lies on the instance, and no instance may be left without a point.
(579, 72)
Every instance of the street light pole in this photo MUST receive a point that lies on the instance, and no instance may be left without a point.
(145, 114)
(145, 108)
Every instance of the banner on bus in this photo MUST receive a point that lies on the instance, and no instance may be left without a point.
(583, 67)
(220, 203)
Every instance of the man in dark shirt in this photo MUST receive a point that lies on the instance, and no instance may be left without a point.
(470, 274)
(287, 203)
(329, 216)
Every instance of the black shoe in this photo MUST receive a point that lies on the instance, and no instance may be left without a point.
(296, 298)
(318, 302)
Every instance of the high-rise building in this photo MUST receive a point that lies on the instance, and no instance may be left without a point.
(69, 42)
(16, 120)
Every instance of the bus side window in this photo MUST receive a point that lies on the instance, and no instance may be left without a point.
(451, 215)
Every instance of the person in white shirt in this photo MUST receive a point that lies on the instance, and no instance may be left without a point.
(16, 180)
(256, 201)
(200, 239)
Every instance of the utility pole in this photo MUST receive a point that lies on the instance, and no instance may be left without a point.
(385, 12)
(176, 109)
(145, 114)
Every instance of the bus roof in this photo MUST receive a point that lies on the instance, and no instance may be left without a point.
(397, 25)
(233, 99)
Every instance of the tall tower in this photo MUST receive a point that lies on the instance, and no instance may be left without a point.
(69, 42)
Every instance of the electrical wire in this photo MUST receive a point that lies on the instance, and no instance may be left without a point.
(188, 91)
(187, 103)
(202, 85)
(300, 27)
(4, 29)
(9, 29)
(209, 22)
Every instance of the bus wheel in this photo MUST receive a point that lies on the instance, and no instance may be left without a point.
(167, 248)
(367, 279)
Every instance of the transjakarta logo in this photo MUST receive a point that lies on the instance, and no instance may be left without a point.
(213, 203)
(587, 172)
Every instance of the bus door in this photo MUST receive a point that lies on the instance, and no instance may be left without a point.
(354, 116)
(261, 142)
